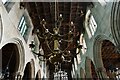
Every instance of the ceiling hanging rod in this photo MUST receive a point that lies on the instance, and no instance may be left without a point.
(56, 13)
(55, 10)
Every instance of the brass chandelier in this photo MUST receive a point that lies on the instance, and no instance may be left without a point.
(56, 55)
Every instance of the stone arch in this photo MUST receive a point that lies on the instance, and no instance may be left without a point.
(38, 75)
(115, 23)
(29, 71)
(97, 56)
(33, 68)
(1, 27)
(10, 60)
(88, 68)
(82, 73)
(20, 46)
(110, 58)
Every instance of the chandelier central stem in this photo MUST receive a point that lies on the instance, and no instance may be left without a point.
(56, 13)
(56, 45)
(55, 10)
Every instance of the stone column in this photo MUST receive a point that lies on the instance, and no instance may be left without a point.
(101, 72)
(82, 74)
(88, 69)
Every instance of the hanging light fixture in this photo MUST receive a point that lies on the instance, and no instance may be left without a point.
(56, 55)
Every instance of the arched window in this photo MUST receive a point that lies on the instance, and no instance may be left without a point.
(22, 27)
(92, 25)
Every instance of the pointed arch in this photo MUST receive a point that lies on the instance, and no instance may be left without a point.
(90, 70)
(82, 73)
(38, 75)
(97, 55)
(10, 60)
(115, 23)
(29, 71)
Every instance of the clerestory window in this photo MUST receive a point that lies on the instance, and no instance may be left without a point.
(92, 25)
(22, 27)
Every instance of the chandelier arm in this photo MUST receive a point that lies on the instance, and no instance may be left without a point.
(50, 33)
(43, 59)
(50, 42)
(44, 26)
(66, 55)
(38, 53)
(49, 54)
(66, 40)
(69, 33)
(40, 37)
(48, 46)
(48, 30)
(66, 48)
(63, 35)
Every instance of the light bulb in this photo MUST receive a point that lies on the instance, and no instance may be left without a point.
(43, 20)
(71, 22)
(60, 15)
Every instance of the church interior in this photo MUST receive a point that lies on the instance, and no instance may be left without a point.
(59, 40)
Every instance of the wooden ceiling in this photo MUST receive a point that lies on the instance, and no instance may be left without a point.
(50, 11)
(71, 11)
(110, 56)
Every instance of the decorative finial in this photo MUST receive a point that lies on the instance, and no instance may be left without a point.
(43, 22)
